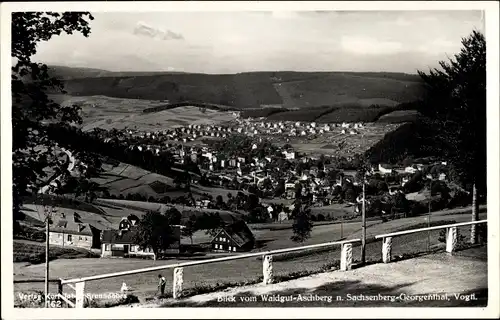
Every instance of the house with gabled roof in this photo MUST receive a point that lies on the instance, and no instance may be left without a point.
(73, 232)
(236, 237)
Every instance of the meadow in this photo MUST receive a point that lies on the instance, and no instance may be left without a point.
(170, 118)
(336, 143)
(121, 178)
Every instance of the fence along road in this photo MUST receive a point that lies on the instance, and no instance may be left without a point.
(267, 269)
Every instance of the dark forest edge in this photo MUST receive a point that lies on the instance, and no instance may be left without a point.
(342, 112)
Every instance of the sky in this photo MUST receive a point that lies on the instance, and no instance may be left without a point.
(232, 42)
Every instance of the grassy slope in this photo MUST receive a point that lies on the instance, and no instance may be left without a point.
(144, 206)
(34, 252)
(128, 179)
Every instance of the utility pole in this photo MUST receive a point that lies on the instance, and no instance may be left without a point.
(363, 223)
(342, 227)
(429, 218)
(47, 223)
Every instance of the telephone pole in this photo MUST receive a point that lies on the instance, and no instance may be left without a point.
(429, 218)
(47, 223)
(363, 226)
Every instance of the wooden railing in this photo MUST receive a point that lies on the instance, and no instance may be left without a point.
(451, 237)
(267, 268)
(267, 259)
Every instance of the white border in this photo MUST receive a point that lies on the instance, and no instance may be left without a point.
(492, 35)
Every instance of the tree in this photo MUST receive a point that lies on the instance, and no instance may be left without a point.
(219, 202)
(154, 231)
(321, 174)
(280, 188)
(252, 202)
(298, 190)
(350, 195)
(32, 147)
(400, 202)
(210, 222)
(302, 224)
(190, 227)
(456, 103)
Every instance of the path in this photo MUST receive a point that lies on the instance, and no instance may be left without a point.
(464, 273)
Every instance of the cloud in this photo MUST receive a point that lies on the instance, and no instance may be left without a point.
(143, 29)
(438, 46)
(369, 46)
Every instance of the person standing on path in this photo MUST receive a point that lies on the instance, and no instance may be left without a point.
(162, 284)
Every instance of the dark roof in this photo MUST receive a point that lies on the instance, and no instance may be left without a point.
(118, 237)
(386, 165)
(239, 232)
(68, 228)
(127, 236)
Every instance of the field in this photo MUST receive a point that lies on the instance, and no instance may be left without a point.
(127, 179)
(336, 143)
(109, 112)
(34, 252)
(227, 216)
(171, 118)
(144, 284)
(108, 219)
(399, 116)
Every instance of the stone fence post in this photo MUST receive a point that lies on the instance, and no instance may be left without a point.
(267, 270)
(346, 257)
(386, 249)
(451, 239)
(80, 294)
(178, 281)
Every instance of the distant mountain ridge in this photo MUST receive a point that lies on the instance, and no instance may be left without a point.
(288, 89)
(67, 73)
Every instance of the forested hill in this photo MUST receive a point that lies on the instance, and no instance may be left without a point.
(247, 90)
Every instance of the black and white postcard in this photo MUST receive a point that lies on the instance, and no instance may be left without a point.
(323, 159)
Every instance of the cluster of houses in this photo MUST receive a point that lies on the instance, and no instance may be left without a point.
(119, 241)
(226, 169)
(295, 129)
(247, 127)
(406, 172)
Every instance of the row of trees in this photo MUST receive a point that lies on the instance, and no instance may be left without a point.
(455, 102)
